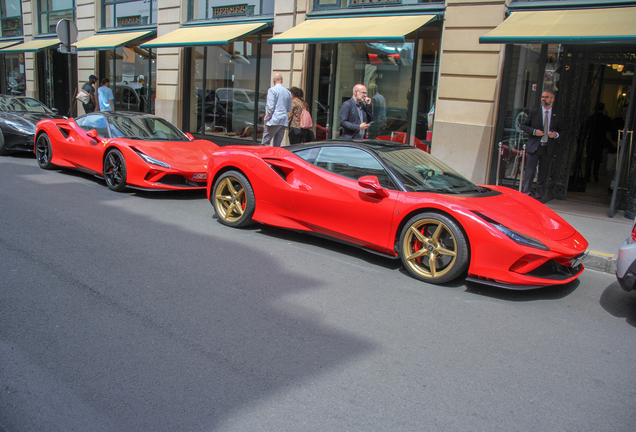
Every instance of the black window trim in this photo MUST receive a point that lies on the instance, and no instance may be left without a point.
(398, 185)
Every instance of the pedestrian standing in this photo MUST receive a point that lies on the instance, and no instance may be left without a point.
(356, 114)
(542, 126)
(298, 132)
(278, 105)
(89, 88)
(106, 98)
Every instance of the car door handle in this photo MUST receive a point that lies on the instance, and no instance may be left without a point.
(304, 187)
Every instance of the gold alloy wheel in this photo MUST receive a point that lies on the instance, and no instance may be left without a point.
(230, 199)
(430, 248)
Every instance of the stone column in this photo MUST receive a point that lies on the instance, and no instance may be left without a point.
(469, 82)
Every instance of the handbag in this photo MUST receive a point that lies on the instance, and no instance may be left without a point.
(285, 141)
(83, 97)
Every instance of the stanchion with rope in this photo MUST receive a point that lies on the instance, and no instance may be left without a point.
(523, 167)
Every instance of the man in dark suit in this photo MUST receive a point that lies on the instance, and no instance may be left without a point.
(542, 126)
(356, 114)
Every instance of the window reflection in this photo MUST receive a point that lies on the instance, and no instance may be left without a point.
(51, 11)
(524, 94)
(387, 70)
(14, 82)
(224, 100)
(120, 13)
(132, 74)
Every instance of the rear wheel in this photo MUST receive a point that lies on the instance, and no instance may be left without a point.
(115, 170)
(43, 151)
(233, 199)
(433, 248)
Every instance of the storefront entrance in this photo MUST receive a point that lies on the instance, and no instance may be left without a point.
(593, 94)
(53, 75)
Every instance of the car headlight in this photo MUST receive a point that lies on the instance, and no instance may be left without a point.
(516, 237)
(153, 161)
(20, 127)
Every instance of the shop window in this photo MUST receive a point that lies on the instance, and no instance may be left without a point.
(11, 17)
(132, 73)
(13, 79)
(217, 9)
(390, 72)
(51, 11)
(224, 101)
(126, 13)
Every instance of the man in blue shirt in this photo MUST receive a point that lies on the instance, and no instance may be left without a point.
(106, 98)
(276, 119)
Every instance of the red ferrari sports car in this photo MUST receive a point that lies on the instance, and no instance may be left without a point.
(398, 200)
(127, 149)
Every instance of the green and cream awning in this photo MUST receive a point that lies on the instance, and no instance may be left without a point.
(32, 46)
(205, 35)
(573, 26)
(392, 28)
(110, 41)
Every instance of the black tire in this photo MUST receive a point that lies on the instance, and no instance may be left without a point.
(115, 170)
(44, 152)
(233, 199)
(433, 248)
(3, 145)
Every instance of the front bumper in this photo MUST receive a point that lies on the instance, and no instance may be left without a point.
(19, 142)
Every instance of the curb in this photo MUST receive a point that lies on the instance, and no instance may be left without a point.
(601, 261)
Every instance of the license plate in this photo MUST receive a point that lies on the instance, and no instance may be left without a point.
(200, 176)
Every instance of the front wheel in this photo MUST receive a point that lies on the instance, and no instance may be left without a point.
(433, 248)
(115, 170)
(233, 199)
(44, 152)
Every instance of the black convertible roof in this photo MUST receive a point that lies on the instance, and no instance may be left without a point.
(375, 145)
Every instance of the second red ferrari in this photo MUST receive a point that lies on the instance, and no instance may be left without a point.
(127, 149)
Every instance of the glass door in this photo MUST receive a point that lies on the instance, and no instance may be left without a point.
(623, 186)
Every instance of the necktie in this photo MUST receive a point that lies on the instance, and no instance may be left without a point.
(546, 127)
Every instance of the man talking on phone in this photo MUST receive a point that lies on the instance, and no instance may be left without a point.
(356, 114)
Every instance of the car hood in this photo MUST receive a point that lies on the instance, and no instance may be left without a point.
(179, 153)
(28, 118)
(522, 214)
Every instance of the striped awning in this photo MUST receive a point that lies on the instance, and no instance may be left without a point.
(110, 41)
(573, 26)
(392, 28)
(205, 35)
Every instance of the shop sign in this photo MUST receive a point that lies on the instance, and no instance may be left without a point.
(234, 10)
(372, 2)
(128, 21)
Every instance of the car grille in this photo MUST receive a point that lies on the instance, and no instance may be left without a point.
(179, 180)
(555, 271)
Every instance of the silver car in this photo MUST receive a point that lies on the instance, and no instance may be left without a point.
(626, 263)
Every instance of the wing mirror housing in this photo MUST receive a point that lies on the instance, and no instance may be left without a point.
(372, 182)
(189, 135)
(93, 134)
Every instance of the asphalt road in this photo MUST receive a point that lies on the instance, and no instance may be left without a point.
(138, 311)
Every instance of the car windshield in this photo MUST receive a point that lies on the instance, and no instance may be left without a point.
(12, 104)
(144, 128)
(421, 172)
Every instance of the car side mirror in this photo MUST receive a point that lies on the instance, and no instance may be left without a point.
(189, 135)
(93, 134)
(372, 182)
(55, 111)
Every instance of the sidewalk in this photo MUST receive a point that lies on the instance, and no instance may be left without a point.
(604, 234)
